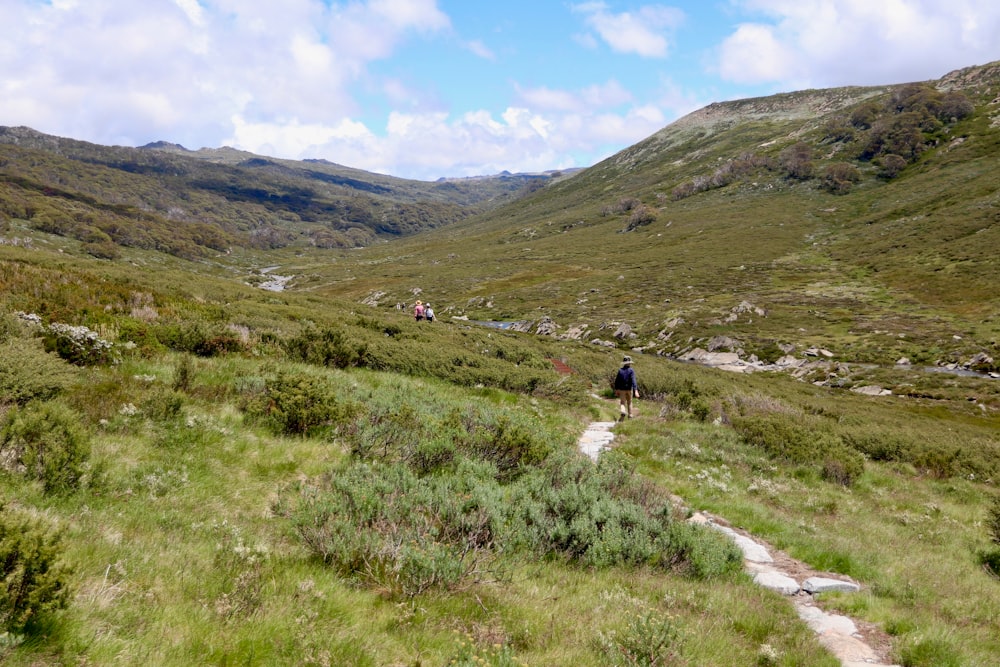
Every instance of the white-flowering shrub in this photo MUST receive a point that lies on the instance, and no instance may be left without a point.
(79, 345)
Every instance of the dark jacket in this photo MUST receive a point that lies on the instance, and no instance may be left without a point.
(626, 379)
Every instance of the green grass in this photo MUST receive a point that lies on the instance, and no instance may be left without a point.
(226, 402)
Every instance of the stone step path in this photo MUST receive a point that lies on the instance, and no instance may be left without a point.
(838, 634)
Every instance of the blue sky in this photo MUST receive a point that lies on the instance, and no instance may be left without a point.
(430, 88)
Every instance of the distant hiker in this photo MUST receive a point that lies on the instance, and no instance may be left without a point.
(428, 312)
(626, 387)
(418, 310)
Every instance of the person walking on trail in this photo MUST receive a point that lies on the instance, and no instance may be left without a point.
(428, 312)
(626, 387)
(418, 310)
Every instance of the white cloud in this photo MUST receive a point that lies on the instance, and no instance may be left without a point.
(753, 54)
(317, 78)
(840, 42)
(644, 32)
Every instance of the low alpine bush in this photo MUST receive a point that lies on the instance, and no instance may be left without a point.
(298, 404)
(46, 442)
(33, 578)
(27, 372)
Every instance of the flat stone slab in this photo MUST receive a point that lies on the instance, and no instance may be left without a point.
(751, 550)
(814, 585)
(596, 438)
(776, 581)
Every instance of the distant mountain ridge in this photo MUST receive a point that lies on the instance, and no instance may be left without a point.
(166, 197)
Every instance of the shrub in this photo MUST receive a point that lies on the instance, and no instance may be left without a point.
(324, 347)
(46, 441)
(797, 161)
(183, 374)
(643, 215)
(391, 434)
(34, 580)
(27, 372)
(601, 516)
(990, 560)
(891, 165)
(204, 340)
(839, 177)
(801, 440)
(79, 345)
(993, 521)
(499, 440)
(383, 526)
(647, 639)
(298, 405)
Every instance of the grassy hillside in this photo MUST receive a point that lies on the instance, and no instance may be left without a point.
(198, 203)
(196, 470)
(212, 472)
(789, 203)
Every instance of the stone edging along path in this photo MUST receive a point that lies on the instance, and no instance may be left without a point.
(853, 646)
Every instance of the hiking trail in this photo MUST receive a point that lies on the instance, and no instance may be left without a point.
(855, 644)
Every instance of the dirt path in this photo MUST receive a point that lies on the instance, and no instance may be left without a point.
(854, 643)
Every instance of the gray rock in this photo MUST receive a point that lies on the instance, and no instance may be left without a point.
(814, 585)
(753, 552)
(722, 343)
(776, 581)
(871, 390)
(623, 331)
(546, 327)
(575, 333)
(980, 359)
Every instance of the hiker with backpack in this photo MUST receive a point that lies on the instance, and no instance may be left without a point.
(418, 310)
(428, 312)
(626, 387)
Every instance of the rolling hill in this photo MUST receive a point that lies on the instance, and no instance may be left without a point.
(194, 204)
(863, 221)
(197, 470)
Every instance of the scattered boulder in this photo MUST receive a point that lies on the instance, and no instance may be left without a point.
(575, 333)
(776, 581)
(980, 360)
(373, 299)
(871, 390)
(546, 327)
(722, 343)
(902, 361)
(624, 331)
(523, 326)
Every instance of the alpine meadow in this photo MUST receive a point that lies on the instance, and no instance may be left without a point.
(225, 439)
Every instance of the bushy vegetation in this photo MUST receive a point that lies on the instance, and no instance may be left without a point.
(403, 529)
(298, 404)
(34, 580)
(47, 442)
(27, 372)
(328, 470)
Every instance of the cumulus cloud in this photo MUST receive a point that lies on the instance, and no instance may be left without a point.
(839, 42)
(117, 71)
(353, 81)
(644, 32)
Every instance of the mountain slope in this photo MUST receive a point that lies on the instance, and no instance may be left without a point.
(862, 220)
(190, 203)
